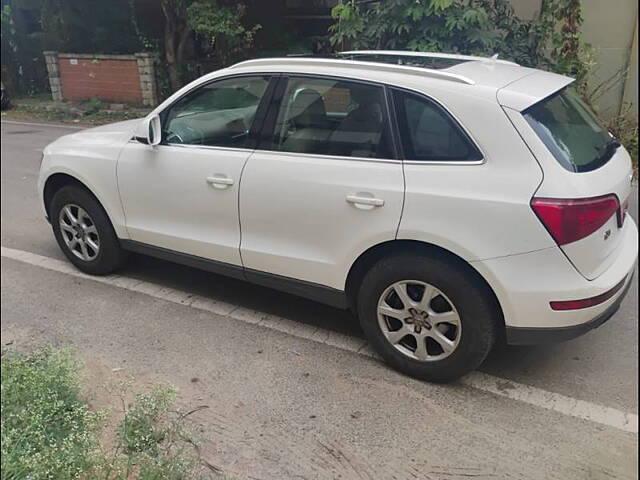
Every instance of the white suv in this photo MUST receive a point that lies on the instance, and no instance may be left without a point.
(451, 201)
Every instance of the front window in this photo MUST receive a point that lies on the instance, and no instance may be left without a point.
(217, 114)
(571, 132)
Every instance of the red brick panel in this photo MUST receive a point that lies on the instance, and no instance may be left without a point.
(109, 80)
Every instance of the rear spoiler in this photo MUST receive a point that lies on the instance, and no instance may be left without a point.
(531, 89)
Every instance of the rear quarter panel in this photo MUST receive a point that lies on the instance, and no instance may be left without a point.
(476, 211)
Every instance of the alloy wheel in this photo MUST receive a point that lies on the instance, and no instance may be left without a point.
(79, 232)
(419, 320)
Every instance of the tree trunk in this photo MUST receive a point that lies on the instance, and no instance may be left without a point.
(176, 35)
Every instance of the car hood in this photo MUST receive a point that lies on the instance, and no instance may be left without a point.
(112, 134)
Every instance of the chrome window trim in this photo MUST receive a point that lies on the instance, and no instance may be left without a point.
(208, 147)
(386, 86)
(320, 157)
(459, 163)
(330, 157)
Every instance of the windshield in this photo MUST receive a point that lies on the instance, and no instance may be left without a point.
(571, 132)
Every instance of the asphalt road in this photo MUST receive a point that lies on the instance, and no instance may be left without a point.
(287, 407)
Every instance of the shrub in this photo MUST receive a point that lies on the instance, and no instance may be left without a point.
(48, 431)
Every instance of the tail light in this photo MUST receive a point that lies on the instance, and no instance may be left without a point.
(571, 219)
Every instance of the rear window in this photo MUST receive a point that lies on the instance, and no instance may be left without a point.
(571, 131)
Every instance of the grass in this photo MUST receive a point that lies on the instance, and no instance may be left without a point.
(50, 432)
(47, 431)
(90, 112)
(95, 118)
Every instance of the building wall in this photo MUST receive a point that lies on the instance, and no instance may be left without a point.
(111, 78)
(114, 80)
(611, 29)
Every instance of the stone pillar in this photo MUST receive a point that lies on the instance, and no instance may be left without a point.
(147, 74)
(51, 59)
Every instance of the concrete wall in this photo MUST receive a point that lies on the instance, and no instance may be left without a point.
(611, 29)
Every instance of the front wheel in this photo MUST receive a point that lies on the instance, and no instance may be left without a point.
(428, 316)
(84, 232)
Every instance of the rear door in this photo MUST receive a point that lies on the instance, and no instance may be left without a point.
(324, 185)
(587, 174)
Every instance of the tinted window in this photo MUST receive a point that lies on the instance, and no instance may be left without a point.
(571, 132)
(217, 114)
(332, 117)
(429, 133)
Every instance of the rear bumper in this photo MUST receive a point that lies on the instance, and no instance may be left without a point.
(536, 336)
(526, 284)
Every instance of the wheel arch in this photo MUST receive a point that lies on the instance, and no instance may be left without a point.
(392, 247)
(58, 180)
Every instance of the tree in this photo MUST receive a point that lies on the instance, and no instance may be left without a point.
(483, 27)
(177, 33)
(222, 27)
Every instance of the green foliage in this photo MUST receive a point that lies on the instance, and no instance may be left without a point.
(140, 431)
(82, 26)
(47, 431)
(92, 106)
(88, 26)
(222, 28)
(559, 42)
(625, 128)
(474, 27)
(23, 70)
(482, 27)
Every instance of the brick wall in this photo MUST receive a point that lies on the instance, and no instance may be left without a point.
(111, 78)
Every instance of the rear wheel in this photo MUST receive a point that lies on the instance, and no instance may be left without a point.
(427, 316)
(83, 231)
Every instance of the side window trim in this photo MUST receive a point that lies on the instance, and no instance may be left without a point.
(269, 125)
(258, 119)
(394, 91)
(396, 141)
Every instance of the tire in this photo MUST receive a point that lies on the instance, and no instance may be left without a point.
(108, 256)
(456, 292)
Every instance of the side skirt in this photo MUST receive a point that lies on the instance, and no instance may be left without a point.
(312, 291)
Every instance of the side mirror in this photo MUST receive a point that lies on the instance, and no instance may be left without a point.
(150, 131)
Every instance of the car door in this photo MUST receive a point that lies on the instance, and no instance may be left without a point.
(324, 185)
(182, 195)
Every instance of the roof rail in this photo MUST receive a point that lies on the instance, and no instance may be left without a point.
(410, 53)
(373, 66)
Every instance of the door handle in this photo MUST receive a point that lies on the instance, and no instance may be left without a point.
(365, 199)
(219, 181)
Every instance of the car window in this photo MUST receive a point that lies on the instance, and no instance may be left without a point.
(427, 132)
(332, 117)
(217, 114)
(571, 131)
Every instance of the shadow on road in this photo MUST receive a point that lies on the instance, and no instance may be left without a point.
(247, 295)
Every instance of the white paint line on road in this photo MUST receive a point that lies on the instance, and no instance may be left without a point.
(627, 422)
(54, 125)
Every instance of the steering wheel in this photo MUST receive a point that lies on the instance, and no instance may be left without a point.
(183, 131)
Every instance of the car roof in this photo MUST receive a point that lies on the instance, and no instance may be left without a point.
(506, 82)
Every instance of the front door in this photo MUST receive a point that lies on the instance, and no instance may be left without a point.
(325, 187)
(183, 194)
